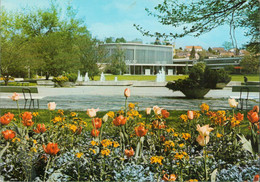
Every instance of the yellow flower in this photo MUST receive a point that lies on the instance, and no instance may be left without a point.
(73, 114)
(115, 144)
(61, 112)
(94, 152)
(121, 112)
(16, 139)
(186, 136)
(140, 124)
(34, 141)
(131, 106)
(193, 180)
(33, 149)
(78, 155)
(219, 135)
(181, 145)
(111, 114)
(175, 134)
(106, 143)
(94, 143)
(196, 114)
(178, 156)
(184, 117)
(35, 114)
(57, 119)
(234, 122)
(169, 130)
(204, 107)
(73, 128)
(105, 152)
(157, 159)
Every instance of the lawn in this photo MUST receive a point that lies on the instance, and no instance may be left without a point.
(168, 78)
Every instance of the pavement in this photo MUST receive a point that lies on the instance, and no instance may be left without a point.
(112, 98)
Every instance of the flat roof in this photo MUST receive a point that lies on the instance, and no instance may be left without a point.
(137, 44)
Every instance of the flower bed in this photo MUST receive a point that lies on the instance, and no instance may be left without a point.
(127, 146)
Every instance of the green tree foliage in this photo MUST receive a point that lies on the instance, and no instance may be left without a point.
(199, 17)
(120, 40)
(110, 40)
(192, 53)
(250, 64)
(90, 55)
(227, 45)
(13, 47)
(117, 64)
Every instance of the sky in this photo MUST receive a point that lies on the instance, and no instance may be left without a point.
(115, 18)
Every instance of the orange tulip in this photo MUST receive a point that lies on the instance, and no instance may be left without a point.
(256, 109)
(165, 113)
(140, 131)
(27, 116)
(98, 123)
(120, 120)
(129, 153)
(171, 177)
(256, 178)
(52, 148)
(190, 115)
(239, 116)
(27, 122)
(8, 134)
(7, 118)
(161, 125)
(127, 92)
(204, 130)
(95, 134)
(252, 116)
(40, 128)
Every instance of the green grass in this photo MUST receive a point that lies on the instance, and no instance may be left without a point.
(18, 84)
(139, 77)
(241, 78)
(168, 78)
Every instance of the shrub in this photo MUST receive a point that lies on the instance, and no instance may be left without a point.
(71, 76)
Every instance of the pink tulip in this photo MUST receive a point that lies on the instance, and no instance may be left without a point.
(127, 92)
(92, 112)
(51, 106)
(15, 96)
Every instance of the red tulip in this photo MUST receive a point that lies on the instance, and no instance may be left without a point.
(98, 123)
(7, 118)
(52, 148)
(129, 153)
(40, 128)
(120, 120)
(165, 113)
(140, 131)
(256, 178)
(256, 109)
(95, 134)
(252, 116)
(239, 116)
(27, 116)
(8, 134)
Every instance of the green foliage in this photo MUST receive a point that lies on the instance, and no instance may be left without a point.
(250, 64)
(200, 77)
(227, 45)
(117, 65)
(192, 53)
(72, 77)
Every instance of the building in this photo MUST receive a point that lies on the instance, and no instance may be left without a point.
(197, 48)
(145, 59)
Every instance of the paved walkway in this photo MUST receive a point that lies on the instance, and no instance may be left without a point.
(112, 98)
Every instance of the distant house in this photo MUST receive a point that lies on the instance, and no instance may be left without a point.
(197, 48)
(244, 52)
(219, 49)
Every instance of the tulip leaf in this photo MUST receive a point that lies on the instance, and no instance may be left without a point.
(3, 150)
(246, 144)
(214, 175)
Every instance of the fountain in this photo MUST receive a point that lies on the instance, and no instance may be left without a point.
(116, 79)
(102, 77)
(80, 79)
(86, 79)
(160, 77)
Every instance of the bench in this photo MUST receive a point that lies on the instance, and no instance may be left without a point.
(244, 93)
(27, 94)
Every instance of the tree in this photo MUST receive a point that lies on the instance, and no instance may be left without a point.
(13, 45)
(250, 64)
(227, 45)
(110, 40)
(117, 65)
(192, 53)
(90, 54)
(199, 17)
(120, 40)
(157, 41)
(210, 50)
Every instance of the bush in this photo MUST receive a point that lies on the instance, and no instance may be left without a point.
(71, 76)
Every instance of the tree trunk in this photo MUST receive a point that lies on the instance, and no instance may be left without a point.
(47, 76)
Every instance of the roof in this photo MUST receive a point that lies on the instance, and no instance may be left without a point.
(136, 44)
(195, 47)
